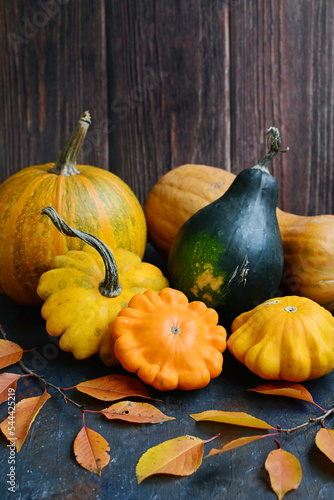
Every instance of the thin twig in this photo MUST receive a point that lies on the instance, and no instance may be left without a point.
(41, 378)
(310, 421)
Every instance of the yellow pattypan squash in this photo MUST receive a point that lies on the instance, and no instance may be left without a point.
(289, 338)
(169, 342)
(85, 290)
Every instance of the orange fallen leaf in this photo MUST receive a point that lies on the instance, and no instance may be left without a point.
(90, 449)
(141, 413)
(10, 353)
(8, 382)
(236, 443)
(16, 426)
(113, 387)
(231, 417)
(290, 390)
(325, 442)
(284, 471)
(181, 456)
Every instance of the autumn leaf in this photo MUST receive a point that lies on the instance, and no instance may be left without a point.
(235, 444)
(90, 449)
(8, 382)
(284, 471)
(140, 413)
(16, 426)
(113, 387)
(10, 353)
(231, 417)
(325, 442)
(290, 390)
(181, 456)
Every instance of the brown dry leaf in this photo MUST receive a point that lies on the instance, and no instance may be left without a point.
(325, 442)
(10, 353)
(140, 413)
(284, 471)
(236, 443)
(90, 449)
(8, 382)
(180, 456)
(290, 390)
(231, 417)
(113, 387)
(17, 424)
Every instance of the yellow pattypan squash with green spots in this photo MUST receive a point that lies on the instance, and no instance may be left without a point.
(85, 290)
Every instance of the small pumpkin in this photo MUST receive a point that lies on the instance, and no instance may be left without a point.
(289, 338)
(90, 198)
(85, 290)
(229, 254)
(169, 342)
(179, 194)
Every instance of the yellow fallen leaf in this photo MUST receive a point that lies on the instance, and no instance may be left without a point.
(113, 387)
(90, 449)
(180, 456)
(325, 442)
(8, 382)
(236, 443)
(231, 417)
(140, 413)
(284, 471)
(10, 353)
(17, 424)
(290, 390)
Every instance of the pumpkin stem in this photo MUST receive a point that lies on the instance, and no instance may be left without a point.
(275, 147)
(66, 163)
(109, 286)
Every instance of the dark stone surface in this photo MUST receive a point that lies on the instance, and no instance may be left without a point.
(46, 467)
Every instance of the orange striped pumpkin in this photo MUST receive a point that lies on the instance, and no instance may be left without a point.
(89, 198)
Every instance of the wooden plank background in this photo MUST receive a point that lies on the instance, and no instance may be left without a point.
(167, 83)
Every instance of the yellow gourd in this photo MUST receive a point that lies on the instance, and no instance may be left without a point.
(288, 338)
(85, 290)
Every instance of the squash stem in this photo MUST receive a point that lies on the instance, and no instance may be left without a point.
(109, 286)
(66, 163)
(275, 147)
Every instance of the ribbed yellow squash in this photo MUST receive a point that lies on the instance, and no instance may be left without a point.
(289, 338)
(85, 290)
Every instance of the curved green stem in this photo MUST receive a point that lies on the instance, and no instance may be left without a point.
(66, 163)
(110, 286)
(275, 147)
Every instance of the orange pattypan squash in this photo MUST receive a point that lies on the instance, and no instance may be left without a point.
(85, 290)
(169, 342)
(289, 338)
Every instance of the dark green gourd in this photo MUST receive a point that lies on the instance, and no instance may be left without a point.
(230, 254)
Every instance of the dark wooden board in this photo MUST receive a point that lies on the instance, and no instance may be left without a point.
(46, 467)
(282, 75)
(170, 83)
(53, 67)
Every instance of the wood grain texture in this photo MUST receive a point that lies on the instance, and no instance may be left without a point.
(53, 67)
(169, 87)
(282, 74)
(173, 82)
(308, 104)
